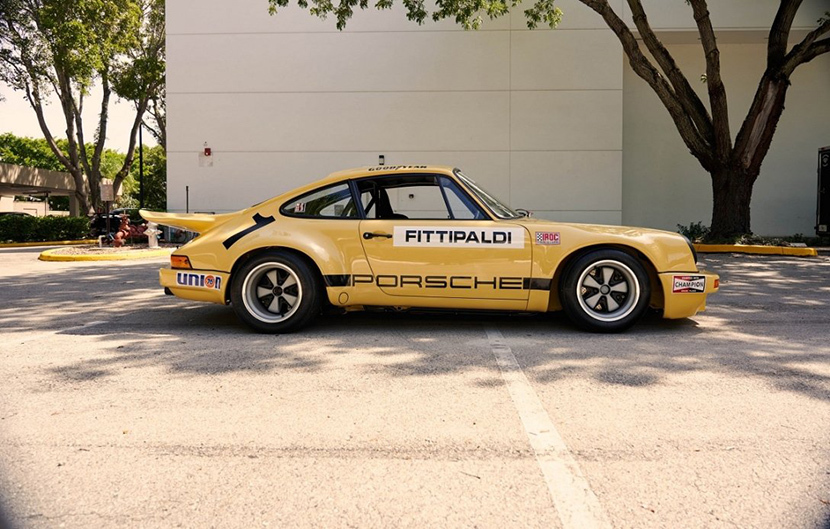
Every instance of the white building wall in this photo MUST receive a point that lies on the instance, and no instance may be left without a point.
(551, 120)
(281, 101)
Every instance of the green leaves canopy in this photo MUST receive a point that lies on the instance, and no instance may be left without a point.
(61, 41)
(467, 13)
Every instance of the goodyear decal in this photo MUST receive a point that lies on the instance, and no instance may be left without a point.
(395, 167)
(688, 284)
(187, 279)
(459, 237)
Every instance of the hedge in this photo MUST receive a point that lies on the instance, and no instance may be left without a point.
(26, 228)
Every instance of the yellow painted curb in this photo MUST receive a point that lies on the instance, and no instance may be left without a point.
(46, 243)
(52, 255)
(756, 249)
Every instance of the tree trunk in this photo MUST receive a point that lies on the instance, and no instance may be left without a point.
(732, 193)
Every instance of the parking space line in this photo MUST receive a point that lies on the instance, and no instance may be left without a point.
(575, 502)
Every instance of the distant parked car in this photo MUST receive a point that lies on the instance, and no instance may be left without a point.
(15, 214)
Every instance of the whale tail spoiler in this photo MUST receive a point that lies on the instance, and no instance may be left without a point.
(196, 222)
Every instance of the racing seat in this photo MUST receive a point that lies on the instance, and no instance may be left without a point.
(384, 207)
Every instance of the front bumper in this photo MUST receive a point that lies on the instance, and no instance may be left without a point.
(685, 294)
(198, 285)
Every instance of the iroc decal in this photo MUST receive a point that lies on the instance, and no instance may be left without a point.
(547, 237)
(688, 284)
(187, 279)
(458, 237)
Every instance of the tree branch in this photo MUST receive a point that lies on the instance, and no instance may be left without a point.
(714, 83)
(808, 49)
(103, 121)
(686, 95)
(141, 107)
(698, 146)
(779, 33)
(37, 105)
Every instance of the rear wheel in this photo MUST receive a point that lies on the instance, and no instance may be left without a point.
(276, 292)
(605, 291)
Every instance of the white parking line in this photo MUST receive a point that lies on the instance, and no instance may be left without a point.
(576, 504)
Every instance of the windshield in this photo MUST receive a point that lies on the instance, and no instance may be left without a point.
(492, 203)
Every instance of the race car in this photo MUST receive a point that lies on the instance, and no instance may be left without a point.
(427, 237)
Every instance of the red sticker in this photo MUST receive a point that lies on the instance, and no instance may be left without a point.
(547, 237)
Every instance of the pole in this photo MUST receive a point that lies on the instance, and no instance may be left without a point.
(187, 199)
(140, 167)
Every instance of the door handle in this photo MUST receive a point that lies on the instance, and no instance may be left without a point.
(367, 235)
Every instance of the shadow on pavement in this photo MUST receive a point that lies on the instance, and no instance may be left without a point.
(743, 334)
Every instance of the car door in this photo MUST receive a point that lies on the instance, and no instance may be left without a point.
(424, 236)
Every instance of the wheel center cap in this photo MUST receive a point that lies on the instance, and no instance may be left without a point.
(604, 289)
(277, 291)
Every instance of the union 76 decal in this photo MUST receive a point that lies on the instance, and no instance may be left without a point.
(687, 284)
(459, 237)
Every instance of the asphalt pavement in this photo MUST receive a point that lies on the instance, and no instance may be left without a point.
(122, 407)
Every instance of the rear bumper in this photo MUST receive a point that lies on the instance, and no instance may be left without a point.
(198, 285)
(685, 293)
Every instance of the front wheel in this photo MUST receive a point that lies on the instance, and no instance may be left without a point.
(275, 292)
(605, 291)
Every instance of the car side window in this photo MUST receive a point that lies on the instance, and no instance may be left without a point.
(329, 202)
(429, 197)
(461, 205)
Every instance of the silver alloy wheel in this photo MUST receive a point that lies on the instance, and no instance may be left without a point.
(607, 290)
(272, 292)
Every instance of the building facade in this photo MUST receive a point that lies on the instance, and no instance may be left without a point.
(553, 121)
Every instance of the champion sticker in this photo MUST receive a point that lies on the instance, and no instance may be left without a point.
(300, 207)
(688, 284)
(187, 279)
(547, 237)
(459, 237)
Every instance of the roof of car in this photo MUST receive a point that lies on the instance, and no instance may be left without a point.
(386, 169)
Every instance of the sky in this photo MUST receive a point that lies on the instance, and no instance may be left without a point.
(17, 117)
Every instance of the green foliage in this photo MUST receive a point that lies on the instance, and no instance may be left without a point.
(695, 231)
(78, 38)
(140, 70)
(29, 152)
(467, 13)
(155, 181)
(25, 228)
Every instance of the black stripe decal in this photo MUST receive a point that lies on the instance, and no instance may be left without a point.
(260, 222)
(338, 280)
(345, 280)
(537, 283)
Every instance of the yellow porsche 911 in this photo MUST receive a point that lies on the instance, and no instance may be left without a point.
(425, 237)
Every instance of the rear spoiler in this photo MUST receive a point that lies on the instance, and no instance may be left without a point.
(197, 222)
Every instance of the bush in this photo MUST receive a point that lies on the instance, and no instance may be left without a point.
(25, 228)
(695, 231)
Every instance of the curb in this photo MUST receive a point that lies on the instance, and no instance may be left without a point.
(46, 243)
(51, 255)
(756, 249)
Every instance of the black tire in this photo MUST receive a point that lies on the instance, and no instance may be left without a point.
(294, 298)
(605, 291)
